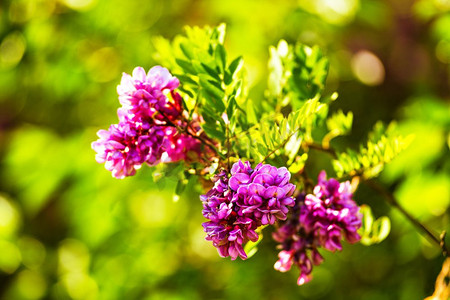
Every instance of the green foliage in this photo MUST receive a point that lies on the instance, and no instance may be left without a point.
(373, 231)
(338, 124)
(208, 81)
(215, 88)
(283, 138)
(383, 146)
(296, 74)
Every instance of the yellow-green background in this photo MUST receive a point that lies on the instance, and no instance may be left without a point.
(68, 230)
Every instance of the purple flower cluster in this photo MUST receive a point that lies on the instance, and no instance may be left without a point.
(146, 133)
(240, 203)
(321, 219)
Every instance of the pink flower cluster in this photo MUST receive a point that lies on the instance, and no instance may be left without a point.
(240, 203)
(147, 131)
(321, 219)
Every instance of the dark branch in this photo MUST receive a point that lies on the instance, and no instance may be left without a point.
(393, 201)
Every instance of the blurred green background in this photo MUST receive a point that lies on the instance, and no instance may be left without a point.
(68, 230)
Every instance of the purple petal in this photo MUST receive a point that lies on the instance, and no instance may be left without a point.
(256, 189)
(263, 179)
(237, 180)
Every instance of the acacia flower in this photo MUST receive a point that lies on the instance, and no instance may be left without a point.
(148, 128)
(331, 214)
(144, 95)
(124, 147)
(242, 201)
(321, 219)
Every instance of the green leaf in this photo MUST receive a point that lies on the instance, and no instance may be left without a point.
(219, 33)
(186, 66)
(209, 114)
(231, 107)
(212, 72)
(187, 49)
(373, 231)
(214, 95)
(221, 57)
(212, 89)
(382, 228)
(296, 74)
(186, 91)
(293, 146)
(262, 149)
(235, 66)
(185, 79)
(198, 68)
(298, 164)
(276, 72)
(250, 111)
(181, 186)
(383, 146)
(213, 132)
(338, 124)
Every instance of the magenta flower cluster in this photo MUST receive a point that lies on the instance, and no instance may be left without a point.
(321, 219)
(242, 201)
(147, 131)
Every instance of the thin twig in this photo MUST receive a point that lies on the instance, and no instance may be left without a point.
(323, 149)
(393, 201)
(228, 146)
(281, 145)
(308, 183)
(274, 150)
(201, 139)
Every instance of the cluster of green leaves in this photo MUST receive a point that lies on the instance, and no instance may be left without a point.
(294, 105)
(296, 74)
(382, 146)
(283, 139)
(210, 83)
(215, 89)
(338, 124)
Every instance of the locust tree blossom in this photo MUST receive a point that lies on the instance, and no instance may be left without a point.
(321, 219)
(241, 202)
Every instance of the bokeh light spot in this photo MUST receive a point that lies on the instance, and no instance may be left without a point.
(33, 252)
(10, 257)
(79, 4)
(368, 68)
(12, 49)
(21, 11)
(31, 285)
(443, 51)
(9, 218)
(73, 256)
(80, 286)
(338, 12)
(104, 64)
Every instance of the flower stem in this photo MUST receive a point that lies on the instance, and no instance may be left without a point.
(280, 146)
(319, 147)
(228, 147)
(185, 130)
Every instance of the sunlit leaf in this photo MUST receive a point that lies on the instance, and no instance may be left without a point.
(221, 57)
(373, 231)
